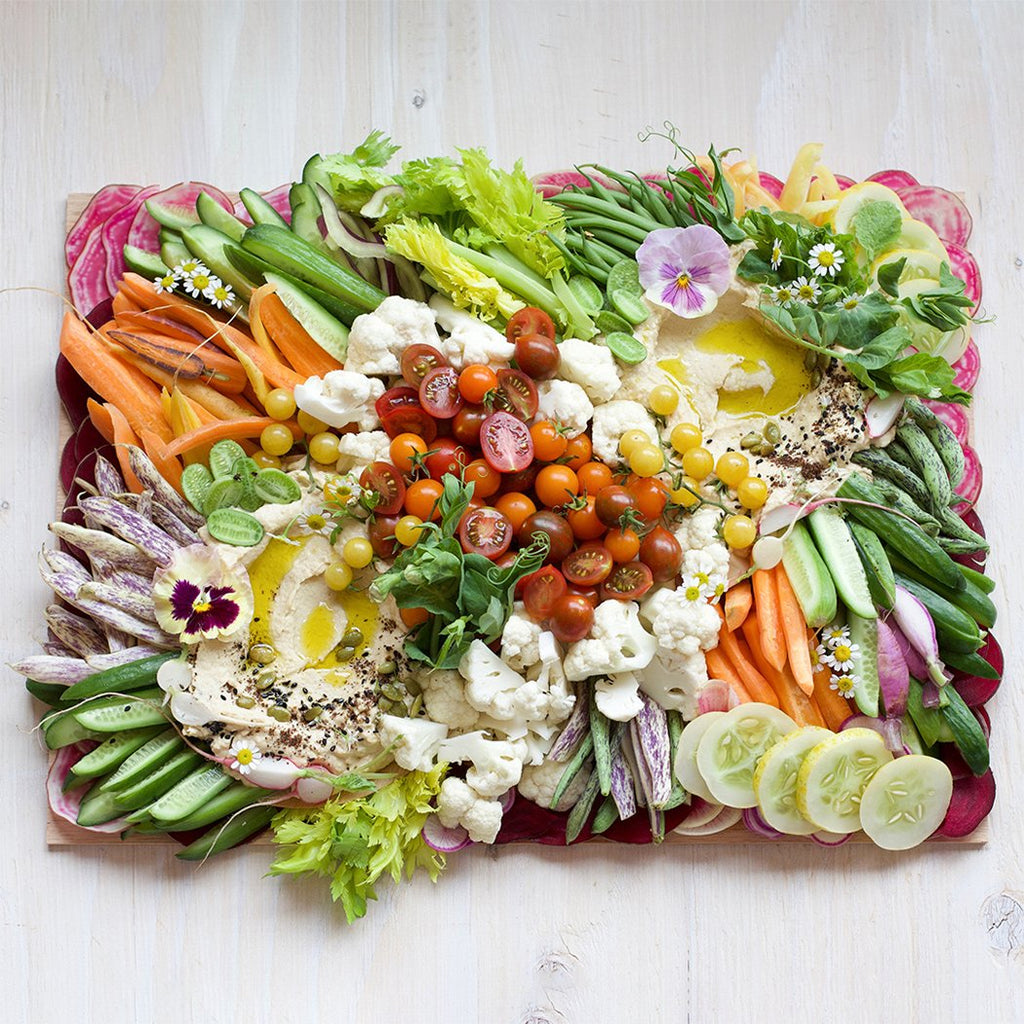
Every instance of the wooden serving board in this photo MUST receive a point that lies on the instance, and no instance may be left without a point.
(61, 833)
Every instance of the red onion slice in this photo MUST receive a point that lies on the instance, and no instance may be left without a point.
(756, 824)
(830, 838)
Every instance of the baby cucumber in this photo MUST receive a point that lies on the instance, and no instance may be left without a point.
(244, 471)
(136, 675)
(972, 664)
(930, 723)
(864, 633)
(153, 786)
(259, 209)
(210, 246)
(233, 526)
(809, 577)
(629, 306)
(608, 322)
(189, 795)
(224, 492)
(61, 730)
(220, 805)
(906, 801)
(49, 693)
(224, 836)
(834, 542)
(588, 295)
(319, 323)
(984, 583)
(97, 808)
(116, 714)
(159, 749)
(954, 628)
(881, 581)
(213, 215)
(624, 277)
(967, 732)
(111, 753)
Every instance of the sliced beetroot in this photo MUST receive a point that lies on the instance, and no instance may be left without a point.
(970, 486)
(144, 232)
(104, 204)
(967, 368)
(115, 234)
(844, 182)
(965, 266)
(66, 804)
(954, 416)
(87, 278)
(975, 690)
(984, 721)
(894, 179)
(977, 559)
(73, 392)
(943, 211)
(552, 182)
(770, 184)
(973, 797)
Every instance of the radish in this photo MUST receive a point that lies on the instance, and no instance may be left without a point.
(701, 812)
(87, 278)
(894, 684)
(770, 184)
(444, 840)
(881, 414)
(104, 204)
(755, 823)
(943, 211)
(278, 199)
(915, 663)
(780, 518)
(894, 179)
(311, 790)
(954, 416)
(967, 368)
(973, 797)
(144, 232)
(507, 799)
(917, 626)
(965, 266)
(970, 486)
(984, 721)
(115, 234)
(716, 696)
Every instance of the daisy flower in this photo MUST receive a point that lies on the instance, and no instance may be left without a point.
(188, 267)
(838, 634)
(166, 283)
(684, 269)
(825, 260)
(783, 294)
(842, 656)
(198, 281)
(851, 301)
(693, 589)
(218, 292)
(843, 684)
(243, 754)
(776, 258)
(806, 290)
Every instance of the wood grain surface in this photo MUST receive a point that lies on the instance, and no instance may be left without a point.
(241, 93)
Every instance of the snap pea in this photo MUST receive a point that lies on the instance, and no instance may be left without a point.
(136, 675)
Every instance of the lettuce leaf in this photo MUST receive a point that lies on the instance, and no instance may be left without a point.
(355, 176)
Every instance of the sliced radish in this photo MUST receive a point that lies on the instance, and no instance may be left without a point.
(313, 791)
(442, 839)
(104, 204)
(144, 232)
(725, 818)
(881, 414)
(779, 518)
(973, 797)
(272, 773)
(984, 721)
(770, 184)
(965, 266)
(894, 179)
(968, 367)
(970, 486)
(115, 234)
(755, 823)
(954, 416)
(943, 211)
(87, 278)
(716, 695)
(830, 838)
(553, 182)
(66, 805)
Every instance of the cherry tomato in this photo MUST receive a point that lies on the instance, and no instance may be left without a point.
(439, 393)
(475, 381)
(593, 476)
(404, 451)
(662, 554)
(537, 355)
(627, 582)
(572, 618)
(584, 522)
(418, 360)
(384, 480)
(548, 443)
(485, 479)
(445, 456)
(485, 531)
(396, 398)
(516, 507)
(588, 565)
(413, 617)
(589, 593)
(506, 442)
(529, 320)
(467, 423)
(554, 526)
(556, 485)
(400, 412)
(612, 503)
(649, 495)
(541, 590)
(578, 451)
(516, 394)
(521, 482)
(421, 499)
(623, 544)
(381, 531)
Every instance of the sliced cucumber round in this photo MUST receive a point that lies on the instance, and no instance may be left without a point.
(906, 801)
(233, 526)
(685, 765)
(833, 776)
(727, 754)
(775, 780)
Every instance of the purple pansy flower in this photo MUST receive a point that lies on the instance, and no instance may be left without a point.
(685, 269)
(197, 598)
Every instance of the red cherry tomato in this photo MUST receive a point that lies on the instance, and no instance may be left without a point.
(439, 393)
(571, 618)
(395, 398)
(445, 456)
(467, 423)
(381, 532)
(516, 394)
(385, 481)
(627, 582)
(418, 360)
(400, 412)
(590, 593)
(584, 522)
(506, 442)
(558, 532)
(662, 554)
(529, 320)
(541, 590)
(485, 531)
(612, 503)
(537, 355)
(589, 565)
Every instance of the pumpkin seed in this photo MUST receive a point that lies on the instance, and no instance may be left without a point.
(751, 440)
(412, 687)
(265, 680)
(816, 378)
(772, 433)
(386, 668)
(311, 714)
(353, 637)
(344, 653)
(765, 450)
(262, 654)
(392, 692)
(279, 713)
(416, 705)
(245, 701)
(810, 358)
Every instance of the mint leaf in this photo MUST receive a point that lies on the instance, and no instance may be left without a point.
(876, 225)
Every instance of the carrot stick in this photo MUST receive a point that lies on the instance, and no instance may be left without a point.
(292, 340)
(739, 599)
(719, 667)
(259, 332)
(766, 601)
(794, 627)
(216, 367)
(123, 437)
(754, 681)
(122, 305)
(792, 699)
(234, 430)
(101, 420)
(167, 465)
(834, 706)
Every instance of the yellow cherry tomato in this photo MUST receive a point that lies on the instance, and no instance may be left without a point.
(633, 439)
(698, 463)
(266, 461)
(732, 467)
(683, 494)
(646, 460)
(310, 424)
(685, 436)
(357, 552)
(663, 400)
(407, 530)
(739, 532)
(338, 576)
(752, 492)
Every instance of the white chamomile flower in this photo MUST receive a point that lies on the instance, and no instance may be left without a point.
(693, 589)
(783, 294)
(843, 684)
(842, 656)
(218, 292)
(807, 290)
(198, 281)
(825, 260)
(776, 254)
(711, 584)
(243, 753)
(166, 282)
(817, 659)
(838, 634)
(188, 267)
(851, 301)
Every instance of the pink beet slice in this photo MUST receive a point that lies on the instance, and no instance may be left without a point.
(844, 182)
(87, 278)
(970, 486)
(144, 232)
(770, 183)
(278, 199)
(552, 182)
(954, 416)
(894, 179)
(115, 235)
(973, 797)
(103, 204)
(968, 367)
(943, 211)
(965, 266)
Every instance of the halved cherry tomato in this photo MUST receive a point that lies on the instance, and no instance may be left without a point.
(529, 320)
(485, 531)
(506, 442)
(516, 394)
(418, 360)
(439, 393)
(537, 355)
(650, 495)
(383, 480)
(590, 593)
(623, 544)
(589, 565)
(578, 452)
(593, 476)
(467, 423)
(612, 503)
(485, 478)
(548, 443)
(627, 582)
(445, 456)
(662, 554)
(421, 499)
(541, 590)
(475, 381)
(396, 398)
(381, 532)
(555, 485)
(400, 412)
(516, 507)
(404, 451)
(584, 522)
(572, 618)
(554, 526)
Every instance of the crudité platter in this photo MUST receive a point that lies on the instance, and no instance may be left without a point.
(421, 504)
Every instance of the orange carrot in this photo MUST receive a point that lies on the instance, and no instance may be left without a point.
(835, 708)
(168, 466)
(101, 419)
(766, 602)
(294, 343)
(234, 430)
(792, 699)
(794, 628)
(719, 667)
(124, 436)
(122, 305)
(732, 647)
(739, 599)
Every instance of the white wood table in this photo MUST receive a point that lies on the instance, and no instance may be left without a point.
(242, 93)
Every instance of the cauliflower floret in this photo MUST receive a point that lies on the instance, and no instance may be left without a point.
(566, 404)
(470, 340)
(445, 701)
(539, 782)
(617, 643)
(617, 696)
(699, 530)
(378, 339)
(675, 682)
(590, 365)
(520, 646)
(683, 626)
(710, 565)
(418, 740)
(341, 397)
(458, 804)
(612, 420)
(495, 767)
(356, 451)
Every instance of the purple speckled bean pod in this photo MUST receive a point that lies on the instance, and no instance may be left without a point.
(99, 662)
(105, 551)
(109, 481)
(149, 476)
(129, 525)
(63, 564)
(575, 728)
(649, 730)
(57, 650)
(45, 668)
(119, 597)
(116, 640)
(622, 785)
(172, 525)
(629, 756)
(75, 632)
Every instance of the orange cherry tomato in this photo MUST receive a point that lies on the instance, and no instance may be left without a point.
(485, 479)
(623, 544)
(405, 448)
(421, 499)
(413, 617)
(516, 508)
(548, 443)
(555, 485)
(579, 450)
(593, 476)
(584, 522)
(650, 495)
(475, 381)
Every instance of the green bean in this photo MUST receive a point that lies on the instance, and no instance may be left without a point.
(572, 769)
(601, 208)
(594, 223)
